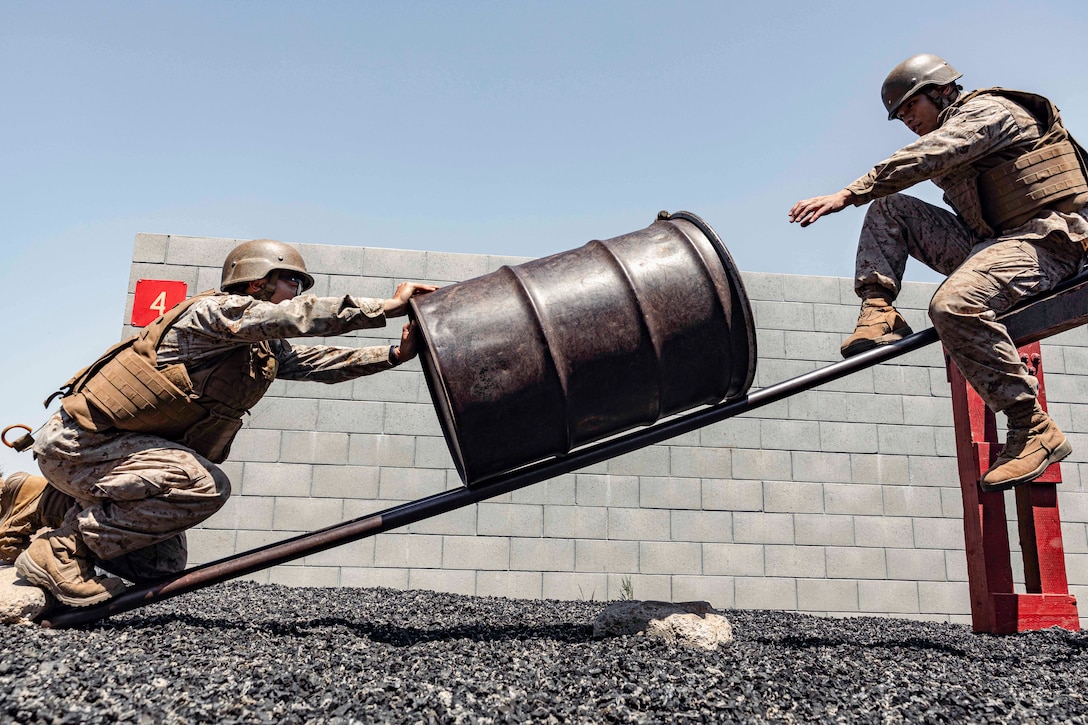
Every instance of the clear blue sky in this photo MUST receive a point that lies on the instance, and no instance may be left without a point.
(514, 128)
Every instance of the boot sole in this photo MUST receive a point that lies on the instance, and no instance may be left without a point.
(7, 493)
(29, 570)
(859, 346)
(1058, 454)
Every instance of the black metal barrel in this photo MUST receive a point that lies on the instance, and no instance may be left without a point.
(531, 361)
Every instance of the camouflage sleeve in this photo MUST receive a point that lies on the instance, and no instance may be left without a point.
(982, 126)
(327, 364)
(216, 324)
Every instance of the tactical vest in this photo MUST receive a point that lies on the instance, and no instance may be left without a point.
(198, 405)
(1003, 190)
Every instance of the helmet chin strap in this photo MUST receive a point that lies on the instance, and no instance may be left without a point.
(944, 96)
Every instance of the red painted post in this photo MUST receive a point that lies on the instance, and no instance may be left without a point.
(995, 606)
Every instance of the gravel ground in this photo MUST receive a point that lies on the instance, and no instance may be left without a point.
(242, 652)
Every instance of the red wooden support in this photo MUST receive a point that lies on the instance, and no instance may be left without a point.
(995, 607)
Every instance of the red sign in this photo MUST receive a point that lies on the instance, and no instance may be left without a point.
(154, 297)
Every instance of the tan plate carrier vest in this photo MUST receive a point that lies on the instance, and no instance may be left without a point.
(1003, 190)
(200, 406)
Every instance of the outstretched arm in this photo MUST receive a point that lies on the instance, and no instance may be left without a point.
(809, 210)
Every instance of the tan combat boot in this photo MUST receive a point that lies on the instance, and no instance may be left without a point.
(61, 563)
(20, 494)
(1031, 447)
(878, 324)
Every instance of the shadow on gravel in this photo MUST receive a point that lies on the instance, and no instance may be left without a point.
(811, 642)
(383, 633)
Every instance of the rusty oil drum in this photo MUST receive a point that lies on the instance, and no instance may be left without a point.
(534, 360)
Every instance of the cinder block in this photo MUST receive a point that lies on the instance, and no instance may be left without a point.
(771, 343)
(702, 526)
(792, 497)
(553, 492)
(333, 259)
(575, 522)
(342, 416)
(670, 557)
(853, 498)
(254, 444)
(284, 414)
(821, 467)
(776, 315)
(847, 438)
(430, 452)
(149, 248)
(951, 503)
(734, 433)
(761, 528)
(360, 482)
(915, 564)
(383, 450)
(934, 471)
(733, 559)
(411, 419)
(827, 595)
(821, 347)
(944, 597)
(443, 580)
(305, 576)
(795, 561)
(455, 267)
(408, 551)
(630, 524)
(922, 502)
(650, 461)
(856, 563)
(903, 380)
(410, 484)
(657, 587)
(542, 554)
(692, 462)
(765, 593)
(397, 264)
(874, 409)
(367, 577)
(762, 465)
(306, 514)
(354, 553)
(476, 552)
(807, 288)
(817, 405)
(197, 251)
(597, 490)
(313, 447)
(790, 435)
(503, 519)
(823, 530)
(207, 545)
(576, 586)
(926, 411)
(887, 470)
(892, 597)
(938, 533)
(886, 531)
(459, 522)
(276, 479)
(718, 590)
(496, 261)
(906, 440)
(728, 495)
(601, 555)
(510, 584)
(243, 512)
(764, 286)
(670, 493)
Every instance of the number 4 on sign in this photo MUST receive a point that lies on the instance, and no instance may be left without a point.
(154, 297)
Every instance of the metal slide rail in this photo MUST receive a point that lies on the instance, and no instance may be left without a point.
(1039, 318)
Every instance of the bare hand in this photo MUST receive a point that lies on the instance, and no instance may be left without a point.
(397, 305)
(406, 350)
(809, 210)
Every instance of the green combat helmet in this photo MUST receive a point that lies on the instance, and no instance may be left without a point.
(253, 260)
(911, 76)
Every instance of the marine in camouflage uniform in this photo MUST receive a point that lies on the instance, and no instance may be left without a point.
(1016, 180)
(122, 483)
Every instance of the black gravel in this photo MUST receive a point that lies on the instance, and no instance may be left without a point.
(247, 653)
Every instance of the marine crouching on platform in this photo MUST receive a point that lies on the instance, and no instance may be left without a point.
(129, 460)
(1017, 182)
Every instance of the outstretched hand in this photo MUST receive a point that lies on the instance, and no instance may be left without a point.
(406, 350)
(809, 210)
(397, 305)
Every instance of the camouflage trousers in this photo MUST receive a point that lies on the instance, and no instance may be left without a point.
(984, 279)
(135, 494)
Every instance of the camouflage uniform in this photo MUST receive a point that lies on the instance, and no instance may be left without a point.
(985, 276)
(137, 493)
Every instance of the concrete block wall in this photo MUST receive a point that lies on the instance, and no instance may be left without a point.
(843, 500)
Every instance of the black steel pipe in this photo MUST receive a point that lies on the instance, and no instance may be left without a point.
(1033, 321)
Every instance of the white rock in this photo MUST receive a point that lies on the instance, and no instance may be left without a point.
(690, 624)
(20, 601)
